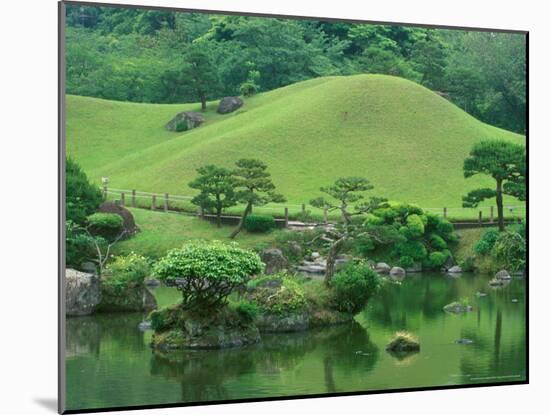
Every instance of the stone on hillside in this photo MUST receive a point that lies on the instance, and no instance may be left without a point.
(229, 104)
(189, 118)
(382, 268)
(128, 222)
(502, 275)
(82, 293)
(397, 272)
(274, 260)
(454, 270)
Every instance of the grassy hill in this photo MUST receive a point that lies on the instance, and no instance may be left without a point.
(407, 140)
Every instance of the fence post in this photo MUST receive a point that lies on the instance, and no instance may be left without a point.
(303, 208)
(133, 197)
(492, 214)
(166, 202)
(445, 212)
(154, 202)
(325, 215)
(201, 212)
(480, 217)
(104, 192)
(286, 217)
(122, 197)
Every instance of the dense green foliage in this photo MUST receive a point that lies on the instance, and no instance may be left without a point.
(217, 189)
(206, 273)
(510, 251)
(161, 56)
(107, 225)
(353, 286)
(259, 223)
(79, 246)
(288, 298)
(485, 244)
(423, 238)
(125, 271)
(82, 198)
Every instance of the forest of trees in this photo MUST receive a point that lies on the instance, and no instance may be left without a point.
(166, 57)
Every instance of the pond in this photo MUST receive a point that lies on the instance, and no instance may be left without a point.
(109, 361)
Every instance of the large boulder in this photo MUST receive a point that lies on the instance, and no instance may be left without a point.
(274, 260)
(128, 222)
(382, 268)
(454, 270)
(128, 299)
(82, 292)
(503, 275)
(397, 272)
(229, 104)
(189, 118)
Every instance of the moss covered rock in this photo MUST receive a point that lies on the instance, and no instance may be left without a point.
(176, 328)
(403, 343)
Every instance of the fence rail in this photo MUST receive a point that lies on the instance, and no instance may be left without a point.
(182, 203)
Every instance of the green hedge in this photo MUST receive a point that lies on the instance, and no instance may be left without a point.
(259, 223)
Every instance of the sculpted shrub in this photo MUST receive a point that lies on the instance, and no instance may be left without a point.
(486, 243)
(353, 286)
(107, 225)
(206, 273)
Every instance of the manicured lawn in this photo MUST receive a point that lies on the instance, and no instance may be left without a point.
(163, 231)
(409, 141)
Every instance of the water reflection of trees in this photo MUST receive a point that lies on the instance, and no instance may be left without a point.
(86, 335)
(203, 375)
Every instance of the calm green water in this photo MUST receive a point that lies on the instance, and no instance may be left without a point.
(109, 362)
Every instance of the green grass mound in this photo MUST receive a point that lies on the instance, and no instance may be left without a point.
(406, 139)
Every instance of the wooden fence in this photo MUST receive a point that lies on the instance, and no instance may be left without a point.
(463, 217)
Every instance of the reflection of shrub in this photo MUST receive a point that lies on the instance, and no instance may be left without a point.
(486, 242)
(108, 225)
(259, 223)
(206, 273)
(509, 250)
(353, 286)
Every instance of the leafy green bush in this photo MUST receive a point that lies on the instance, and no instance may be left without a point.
(248, 89)
(79, 246)
(353, 286)
(206, 273)
(127, 270)
(182, 126)
(486, 242)
(82, 198)
(259, 223)
(107, 225)
(249, 311)
(437, 242)
(406, 261)
(436, 259)
(289, 297)
(510, 250)
(412, 248)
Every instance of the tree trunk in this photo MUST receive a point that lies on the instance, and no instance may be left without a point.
(239, 227)
(331, 259)
(500, 207)
(203, 102)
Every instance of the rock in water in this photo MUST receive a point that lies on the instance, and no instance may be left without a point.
(454, 270)
(456, 307)
(274, 260)
(82, 293)
(464, 341)
(128, 222)
(397, 272)
(229, 104)
(403, 343)
(503, 275)
(382, 268)
(126, 299)
(189, 118)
